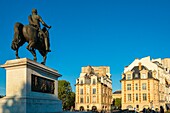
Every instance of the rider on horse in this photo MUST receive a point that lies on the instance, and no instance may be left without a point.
(34, 20)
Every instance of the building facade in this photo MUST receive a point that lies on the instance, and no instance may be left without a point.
(117, 94)
(116, 100)
(94, 89)
(146, 84)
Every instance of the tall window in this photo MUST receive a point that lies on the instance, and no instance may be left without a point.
(144, 97)
(94, 99)
(136, 86)
(94, 90)
(143, 86)
(129, 97)
(81, 100)
(128, 86)
(87, 99)
(94, 81)
(136, 97)
(88, 90)
(143, 76)
(128, 76)
(81, 91)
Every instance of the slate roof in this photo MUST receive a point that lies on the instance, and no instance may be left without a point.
(136, 72)
(117, 92)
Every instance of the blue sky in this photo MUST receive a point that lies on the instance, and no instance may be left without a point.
(90, 32)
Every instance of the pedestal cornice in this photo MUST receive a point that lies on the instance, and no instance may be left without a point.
(31, 64)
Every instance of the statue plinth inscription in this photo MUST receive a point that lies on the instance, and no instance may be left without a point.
(40, 84)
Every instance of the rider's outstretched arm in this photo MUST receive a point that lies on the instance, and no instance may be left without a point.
(43, 23)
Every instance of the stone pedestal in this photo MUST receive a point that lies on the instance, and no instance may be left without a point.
(30, 88)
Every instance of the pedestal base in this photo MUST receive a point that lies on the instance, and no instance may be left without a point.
(29, 105)
(30, 88)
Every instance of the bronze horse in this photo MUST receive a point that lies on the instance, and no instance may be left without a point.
(30, 35)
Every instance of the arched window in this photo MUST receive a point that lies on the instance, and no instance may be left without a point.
(81, 108)
(94, 108)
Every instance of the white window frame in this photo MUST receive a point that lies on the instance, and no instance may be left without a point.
(128, 86)
(144, 97)
(129, 77)
(136, 86)
(137, 97)
(143, 76)
(81, 99)
(94, 91)
(94, 99)
(129, 97)
(81, 91)
(143, 86)
(88, 99)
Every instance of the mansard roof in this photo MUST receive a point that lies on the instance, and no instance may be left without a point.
(136, 70)
(117, 92)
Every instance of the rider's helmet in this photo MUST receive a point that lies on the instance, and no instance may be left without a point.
(34, 11)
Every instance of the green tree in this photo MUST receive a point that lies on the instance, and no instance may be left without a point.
(65, 94)
(118, 102)
(72, 99)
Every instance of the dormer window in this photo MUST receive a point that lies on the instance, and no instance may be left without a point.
(143, 76)
(136, 75)
(128, 76)
(94, 81)
(81, 91)
(81, 82)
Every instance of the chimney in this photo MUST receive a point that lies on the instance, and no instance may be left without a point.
(140, 66)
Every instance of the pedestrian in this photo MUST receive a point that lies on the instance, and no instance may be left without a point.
(161, 109)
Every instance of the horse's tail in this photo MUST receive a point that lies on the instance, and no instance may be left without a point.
(17, 36)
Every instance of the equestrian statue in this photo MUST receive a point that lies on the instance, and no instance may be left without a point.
(36, 37)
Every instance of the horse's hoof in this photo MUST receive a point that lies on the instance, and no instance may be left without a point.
(42, 63)
(17, 57)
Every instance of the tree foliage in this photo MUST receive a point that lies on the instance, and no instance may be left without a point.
(118, 102)
(65, 94)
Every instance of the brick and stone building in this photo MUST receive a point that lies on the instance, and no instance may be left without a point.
(117, 94)
(146, 84)
(94, 89)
